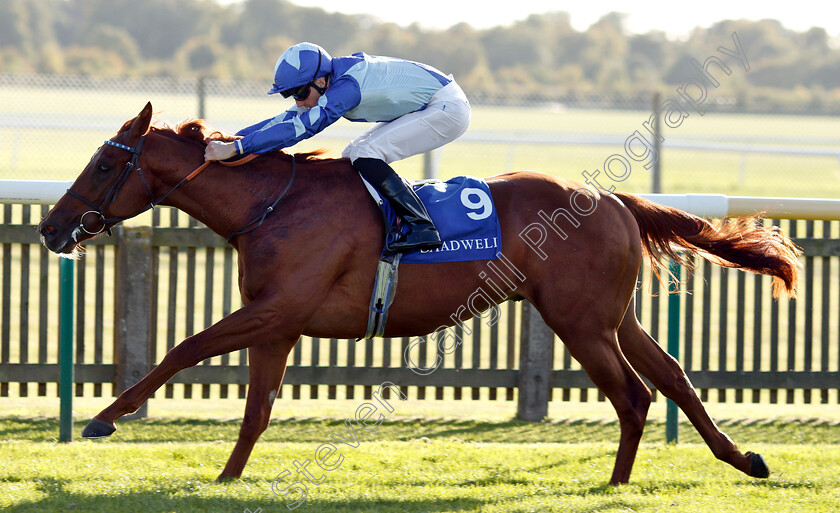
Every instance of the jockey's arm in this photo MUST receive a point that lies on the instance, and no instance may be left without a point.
(297, 124)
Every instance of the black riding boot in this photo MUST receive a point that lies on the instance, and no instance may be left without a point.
(423, 234)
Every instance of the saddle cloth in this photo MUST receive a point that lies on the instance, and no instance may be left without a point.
(463, 211)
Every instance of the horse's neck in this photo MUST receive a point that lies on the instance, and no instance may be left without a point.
(219, 197)
(226, 199)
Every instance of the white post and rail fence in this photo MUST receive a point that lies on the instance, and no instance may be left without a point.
(804, 356)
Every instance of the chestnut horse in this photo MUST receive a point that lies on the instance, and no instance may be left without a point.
(308, 268)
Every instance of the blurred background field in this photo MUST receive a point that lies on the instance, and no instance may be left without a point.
(50, 131)
(550, 93)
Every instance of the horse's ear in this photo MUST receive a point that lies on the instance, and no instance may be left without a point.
(141, 123)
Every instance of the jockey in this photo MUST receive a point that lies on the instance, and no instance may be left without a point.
(417, 109)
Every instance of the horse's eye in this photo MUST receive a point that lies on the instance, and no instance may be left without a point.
(104, 169)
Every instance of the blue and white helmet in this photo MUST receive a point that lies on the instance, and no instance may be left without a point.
(299, 65)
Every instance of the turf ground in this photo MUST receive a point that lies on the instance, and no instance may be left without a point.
(423, 458)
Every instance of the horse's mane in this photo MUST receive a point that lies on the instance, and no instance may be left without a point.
(198, 131)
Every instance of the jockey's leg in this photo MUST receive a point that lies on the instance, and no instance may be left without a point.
(423, 234)
(444, 119)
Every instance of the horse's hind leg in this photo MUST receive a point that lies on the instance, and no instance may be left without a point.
(267, 364)
(595, 346)
(666, 374)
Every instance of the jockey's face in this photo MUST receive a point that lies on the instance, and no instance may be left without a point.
(312, 100)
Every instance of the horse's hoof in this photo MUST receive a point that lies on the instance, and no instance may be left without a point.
(758, 467)
(98, 429)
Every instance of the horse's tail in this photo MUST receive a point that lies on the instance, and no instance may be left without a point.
(741, 243)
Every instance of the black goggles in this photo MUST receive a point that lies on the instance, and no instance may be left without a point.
(301, 93)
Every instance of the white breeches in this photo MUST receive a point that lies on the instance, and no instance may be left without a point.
(444, 119)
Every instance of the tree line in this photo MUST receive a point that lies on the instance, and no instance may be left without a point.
(542, 56)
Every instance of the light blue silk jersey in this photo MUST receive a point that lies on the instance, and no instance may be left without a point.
(361, 88)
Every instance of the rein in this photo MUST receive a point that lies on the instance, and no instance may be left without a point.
(114, 189)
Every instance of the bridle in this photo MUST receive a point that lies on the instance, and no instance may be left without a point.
(114, 189)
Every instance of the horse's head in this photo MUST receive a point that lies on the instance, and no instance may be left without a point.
(108, 191)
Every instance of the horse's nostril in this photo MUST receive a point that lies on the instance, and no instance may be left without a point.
(48, 229)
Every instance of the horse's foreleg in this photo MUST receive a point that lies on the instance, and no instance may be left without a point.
(667, 375)
(251, 325)
(266, 366)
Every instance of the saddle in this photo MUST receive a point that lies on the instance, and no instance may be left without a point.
(462, 209)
